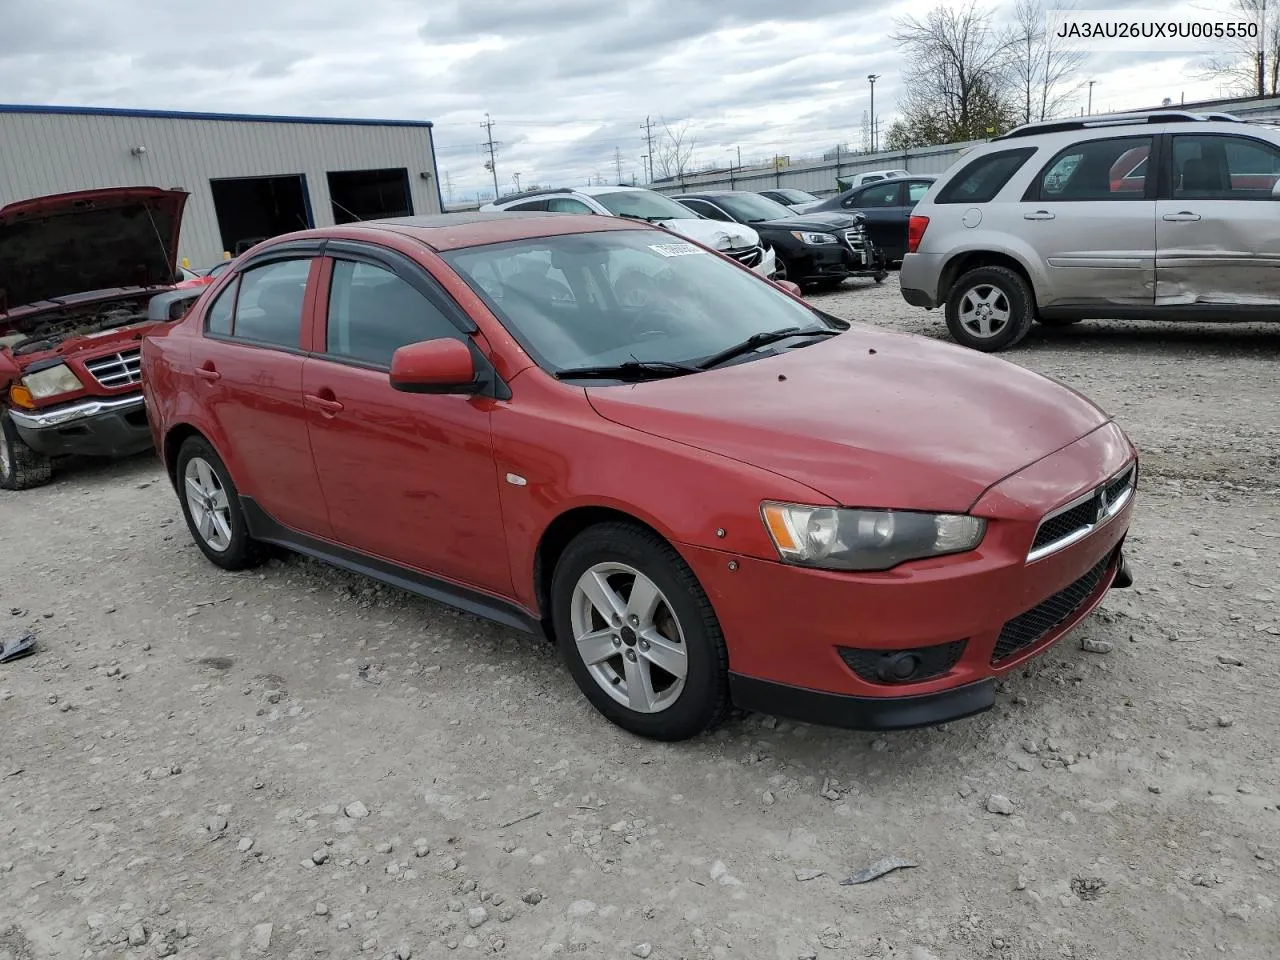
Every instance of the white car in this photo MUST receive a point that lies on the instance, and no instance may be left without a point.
(871, 176)
(732, 239)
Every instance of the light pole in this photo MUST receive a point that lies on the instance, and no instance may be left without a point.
(1090, 108)
(872, 78)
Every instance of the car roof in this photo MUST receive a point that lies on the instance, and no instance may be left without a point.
(452, 231)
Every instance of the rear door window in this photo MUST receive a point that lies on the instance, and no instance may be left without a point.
(269, 306)
(887, 194)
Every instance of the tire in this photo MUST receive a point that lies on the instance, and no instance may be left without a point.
(1009, 302)
(218, 524)
(616, 556)
(21, 468)
(780, 269)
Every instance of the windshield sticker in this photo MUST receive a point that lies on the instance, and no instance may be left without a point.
(675, 249)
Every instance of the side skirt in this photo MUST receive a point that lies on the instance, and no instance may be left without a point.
(265, 528)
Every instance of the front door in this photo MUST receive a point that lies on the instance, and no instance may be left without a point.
(408, 478)
(882, 204)
(248, 368)
(1218, 223)
(1094, 231)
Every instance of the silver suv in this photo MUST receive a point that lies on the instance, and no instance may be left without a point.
(1158, 216)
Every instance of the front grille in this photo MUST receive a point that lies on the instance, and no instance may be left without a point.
(856, 239)
(748, 258)
(117, 369)
(1082, 517)
(933, 661)
(1041, 620)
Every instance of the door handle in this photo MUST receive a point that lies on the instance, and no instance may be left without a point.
(206, 371)
(1186, 216)
(1038, 215)
(326, 405)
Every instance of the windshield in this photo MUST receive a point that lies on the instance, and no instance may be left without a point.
(796, 196)
(752, 208)
(644, 204)
(599, 299)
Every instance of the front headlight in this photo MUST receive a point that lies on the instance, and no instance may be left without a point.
(52, 382)
(838, 539)
(815, 239)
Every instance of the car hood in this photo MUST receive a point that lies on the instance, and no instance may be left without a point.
(714, 233)
(90, 240)
(868, 418)
(834, 220)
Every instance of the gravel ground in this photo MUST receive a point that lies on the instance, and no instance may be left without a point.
(299, 763)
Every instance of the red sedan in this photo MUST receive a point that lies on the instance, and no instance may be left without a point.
(701, 488)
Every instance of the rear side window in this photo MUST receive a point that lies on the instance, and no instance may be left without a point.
(1110, 169)
(567, 205)
(529, 205)
(218, 320)
(269, 307)
(983, 178)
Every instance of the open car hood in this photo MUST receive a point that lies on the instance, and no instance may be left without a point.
(73, 243)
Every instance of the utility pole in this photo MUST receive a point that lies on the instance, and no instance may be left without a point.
(515, 178)
(492, 164)
(617, 162)
(1090, 108)
(872, 78)
(1262, 48)
(648, 139)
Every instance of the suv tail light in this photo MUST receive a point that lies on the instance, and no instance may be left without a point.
(915, 232)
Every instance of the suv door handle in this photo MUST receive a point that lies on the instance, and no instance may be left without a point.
(206, 371)
(1038, 215)
(1186, 216)
(326, 405)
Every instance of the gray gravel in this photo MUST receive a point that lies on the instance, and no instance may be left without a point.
(257, 715)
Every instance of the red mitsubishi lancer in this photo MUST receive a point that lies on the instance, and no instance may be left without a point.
(702, 488)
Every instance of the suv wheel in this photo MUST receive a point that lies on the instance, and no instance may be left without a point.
(638, 633)
(21, 468)
(212, 508)
(990, 309)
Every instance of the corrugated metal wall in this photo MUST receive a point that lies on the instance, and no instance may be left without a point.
(820, 178)
(46, 153)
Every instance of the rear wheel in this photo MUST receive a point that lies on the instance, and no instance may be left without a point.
(990, 309)
(638, 633)
(21, 468)
(212, 507)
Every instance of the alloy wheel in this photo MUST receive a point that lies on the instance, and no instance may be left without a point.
(985, 310)
(208, 503)
(629, 637)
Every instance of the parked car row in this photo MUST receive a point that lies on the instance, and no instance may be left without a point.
(1162, 216)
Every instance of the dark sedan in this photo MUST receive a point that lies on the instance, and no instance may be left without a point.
(887, 206)
(813, 250)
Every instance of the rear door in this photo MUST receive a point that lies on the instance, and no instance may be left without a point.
(1218, 222)
(248, 376)
(1094, 233)
(407, 477)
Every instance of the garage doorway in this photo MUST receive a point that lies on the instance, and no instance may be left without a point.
(369, 194)
(252, 209)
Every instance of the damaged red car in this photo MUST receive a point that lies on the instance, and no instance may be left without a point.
(705, 490)
(83, 276)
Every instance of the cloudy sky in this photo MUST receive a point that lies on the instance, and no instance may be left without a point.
(567, 82)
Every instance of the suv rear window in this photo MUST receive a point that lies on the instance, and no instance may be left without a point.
(984, 177)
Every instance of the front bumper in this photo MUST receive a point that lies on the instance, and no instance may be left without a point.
(106, 427)
(768, 264)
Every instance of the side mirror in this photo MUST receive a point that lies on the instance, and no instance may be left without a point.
(434, 366)
(791, 288)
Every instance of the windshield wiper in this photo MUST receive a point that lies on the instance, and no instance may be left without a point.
(761, 339)
(629, 370)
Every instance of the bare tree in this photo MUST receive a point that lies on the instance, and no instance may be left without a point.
(957, 78)
(674, 150)
(1251, 65)
(1045, 74)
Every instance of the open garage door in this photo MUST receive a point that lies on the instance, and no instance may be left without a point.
(252, 209)
(369, 194)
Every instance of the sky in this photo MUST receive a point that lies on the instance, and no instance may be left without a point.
(568, 84)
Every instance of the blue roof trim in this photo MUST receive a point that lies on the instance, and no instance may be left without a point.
(189, 115)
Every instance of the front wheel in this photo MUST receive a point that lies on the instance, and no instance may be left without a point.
(638, 633)
(21, 468)
(990, 309)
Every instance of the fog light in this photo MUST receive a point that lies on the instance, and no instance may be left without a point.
(898, 667)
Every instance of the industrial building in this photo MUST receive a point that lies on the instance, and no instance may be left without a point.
(249, 177)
